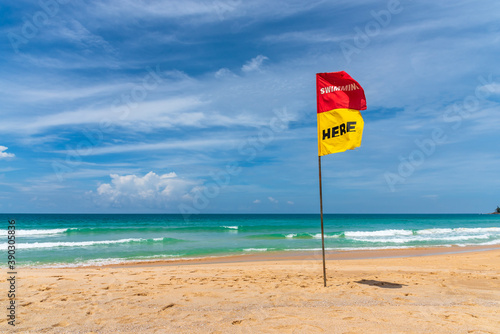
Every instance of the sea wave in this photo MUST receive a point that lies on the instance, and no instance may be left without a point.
(436, 234)
(151, 229)
(341, 249)
(423, 239)
(255, 249)
(36, 245)
(294, 236)
(381, 233)
(115, 261)
(490, 243)
(45, 232)
(435, 231)
(327, 236)
(460, 230)
(114, 230)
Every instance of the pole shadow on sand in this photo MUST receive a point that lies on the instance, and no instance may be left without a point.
(381, 284)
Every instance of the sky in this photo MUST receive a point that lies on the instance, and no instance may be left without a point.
(209, 106)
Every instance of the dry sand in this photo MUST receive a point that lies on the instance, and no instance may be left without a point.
(447, 293)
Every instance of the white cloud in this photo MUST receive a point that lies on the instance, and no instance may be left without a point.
(224, 72)
(168, 112)
(51, 93)
(197, 12)
(208, 11)
(74, 32)
(290, 202)
(150, 190)
(196, 144)
(272, 200)
(257, 201)
(254, 64)
(5, 154)
(145, 116)
(308, 36)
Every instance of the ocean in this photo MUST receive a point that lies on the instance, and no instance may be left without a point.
(49, 240)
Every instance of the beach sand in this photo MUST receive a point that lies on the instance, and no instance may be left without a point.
(445, 293)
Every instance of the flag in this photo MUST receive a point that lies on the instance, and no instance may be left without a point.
(340, 125)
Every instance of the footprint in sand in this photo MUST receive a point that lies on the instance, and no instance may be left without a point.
(61, 324)
(167, 307)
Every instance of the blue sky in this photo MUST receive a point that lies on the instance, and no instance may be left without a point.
(209, 106)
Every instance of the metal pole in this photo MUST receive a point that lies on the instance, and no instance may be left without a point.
(322, 229)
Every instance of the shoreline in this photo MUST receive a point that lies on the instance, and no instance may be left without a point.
(312, 256)
(270, 256)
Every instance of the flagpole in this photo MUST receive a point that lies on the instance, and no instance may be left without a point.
(322, 229)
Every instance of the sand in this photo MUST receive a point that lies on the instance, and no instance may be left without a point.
(446, 293)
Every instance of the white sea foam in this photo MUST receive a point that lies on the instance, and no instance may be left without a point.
(74, 244)
(291, 235)
(307, 249)
(255, 249)
(318, 236)
(419, 238)
(460, 230)
(158, 256)
(349, 248)
(113, 261)
(231, 227)
(489, 243)
(381, 233)
(105, 262)
(435, 231)
(24, 233)
(436, 235)
(478, 230)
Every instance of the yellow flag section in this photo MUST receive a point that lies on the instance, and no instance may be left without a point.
(339, 130)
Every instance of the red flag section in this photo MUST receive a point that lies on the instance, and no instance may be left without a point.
(337, 90)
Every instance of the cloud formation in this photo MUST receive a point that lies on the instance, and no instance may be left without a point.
(150, 190)
(4, 154)
(272, 199)
(254, 64)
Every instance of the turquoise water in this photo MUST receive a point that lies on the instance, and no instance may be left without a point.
(60, 239)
